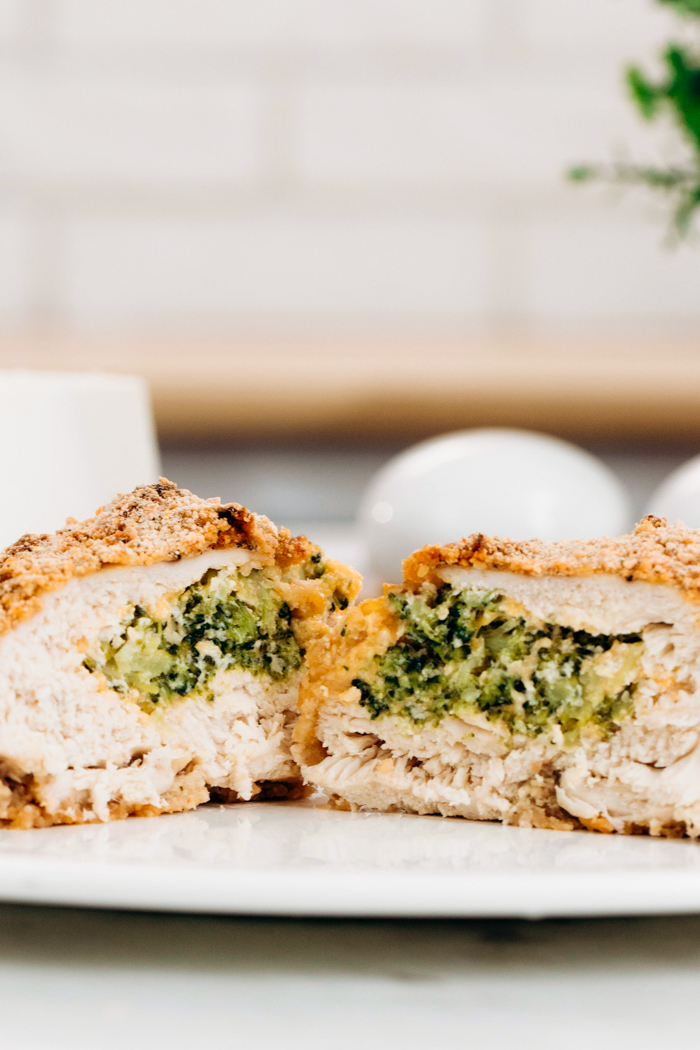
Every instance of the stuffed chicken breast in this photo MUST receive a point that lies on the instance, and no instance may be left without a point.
(150, 658)
(549, 685)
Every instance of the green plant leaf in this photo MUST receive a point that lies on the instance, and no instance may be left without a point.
(644, 93)
(678, 94)
(683, 91)
(581, 173)
(687, 8)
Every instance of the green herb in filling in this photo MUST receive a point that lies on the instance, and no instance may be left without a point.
(224, 621)
(461, 651)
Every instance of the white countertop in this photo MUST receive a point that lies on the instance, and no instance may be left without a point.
(81, 979)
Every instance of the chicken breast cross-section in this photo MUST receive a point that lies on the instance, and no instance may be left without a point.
(547, 685)
(150, 658)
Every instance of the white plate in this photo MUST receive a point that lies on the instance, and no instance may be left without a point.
(286, 858)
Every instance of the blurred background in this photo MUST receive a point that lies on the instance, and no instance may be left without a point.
(323, 229)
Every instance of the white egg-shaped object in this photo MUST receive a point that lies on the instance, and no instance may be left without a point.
(500, 482)
(678, 497)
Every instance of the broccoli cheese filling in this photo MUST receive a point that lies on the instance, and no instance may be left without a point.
(225, 621)
(461, 651)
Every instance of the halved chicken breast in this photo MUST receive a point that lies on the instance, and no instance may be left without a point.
(150, 658)
(549, 685)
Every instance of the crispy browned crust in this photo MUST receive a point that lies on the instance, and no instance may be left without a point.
(334, 656)
(655, 552)
(20, 807)
(153, 523)
(265, 791)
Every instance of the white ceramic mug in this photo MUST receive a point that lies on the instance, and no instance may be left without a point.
(69, 442)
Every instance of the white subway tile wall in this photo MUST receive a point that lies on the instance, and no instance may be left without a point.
(636, 278)
(232, 162)
(275, 263)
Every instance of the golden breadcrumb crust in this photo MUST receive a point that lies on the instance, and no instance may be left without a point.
(334, 656)
(22, 808)
(154, 523)
(655, 552)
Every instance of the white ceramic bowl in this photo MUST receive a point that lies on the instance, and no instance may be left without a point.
(69, 442)
(500, 482)
(678, 497)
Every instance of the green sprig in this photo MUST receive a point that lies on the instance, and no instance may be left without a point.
(678, 93)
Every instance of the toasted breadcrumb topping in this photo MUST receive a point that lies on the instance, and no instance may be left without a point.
(655, 552)
(154, 523)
